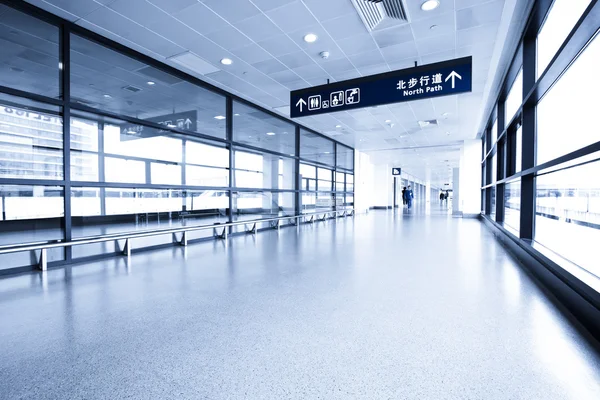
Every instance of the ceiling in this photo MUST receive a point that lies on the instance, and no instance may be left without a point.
(264, 38)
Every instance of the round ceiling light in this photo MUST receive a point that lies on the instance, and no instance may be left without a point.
(310, 38)
(270, 133)
(226, 61)
(430, 5)
(150, 83)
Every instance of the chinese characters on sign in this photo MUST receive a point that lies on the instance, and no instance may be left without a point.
(432, 80)
(426, 84)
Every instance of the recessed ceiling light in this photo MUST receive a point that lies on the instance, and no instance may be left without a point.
(430, 5)
(270, 133)
(327, 152)
(219, 117)
(236, 115)
(338, 126)
(310, 38)
(150, 83)
(108, 96)
(387, 121)
(226, 61)
(131, 132)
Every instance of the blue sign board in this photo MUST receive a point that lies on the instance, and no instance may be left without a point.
(396, 171)
(423, 82)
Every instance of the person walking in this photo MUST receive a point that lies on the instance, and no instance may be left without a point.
(404, 195)
(442, 196)
(409, 197)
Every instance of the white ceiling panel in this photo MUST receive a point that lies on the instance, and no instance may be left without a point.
(233, 10)
(357, 44)
(345, 26)
(479, 15)
(266, 5)
(367, 59)
(442, 24)
(202, 19)
(170, 6)
(436, 44)
(393, 36)
(296, 60)
(252, 54)
(279, 45)
(258, 28)
(291, 17)
(229, 38)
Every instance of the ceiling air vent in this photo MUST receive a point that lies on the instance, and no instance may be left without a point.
(133, 89)
(378, 14)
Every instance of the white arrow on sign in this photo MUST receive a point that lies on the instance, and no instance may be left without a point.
(453, 75)
(188, 122)
(300, 103)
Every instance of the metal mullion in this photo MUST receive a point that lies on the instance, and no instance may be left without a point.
(101, 167)
(65, 85)
(31, 182)
(528, 160)
(298, 179)
(31, 96)
(229, 138)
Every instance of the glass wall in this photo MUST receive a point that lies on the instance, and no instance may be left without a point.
(550, 195)
(145, 147)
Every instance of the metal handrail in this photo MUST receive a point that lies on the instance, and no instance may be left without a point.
(127, 236)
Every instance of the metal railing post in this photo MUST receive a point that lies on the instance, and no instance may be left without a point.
(43, 265)
(127, 249)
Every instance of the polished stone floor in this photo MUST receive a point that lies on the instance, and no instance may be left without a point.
(389, 305)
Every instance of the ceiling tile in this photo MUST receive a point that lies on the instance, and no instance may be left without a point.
(374, 69)
(367, 59)
(258, 28)
(229, 38)
(279, 45)
(79, 8)
(232, 10)
(483, 14)
(252, 54)
(139, 11)
(172, 6)
(478, 35)
(325, 10)
(443, 24)
(312, 71)
(345, 26)
(270, 66)
(291, 17)
(201, 19)
(334, 67)
(400, 52)
(438, 57)
(69, 16)
(357, 44)
(436, 44)
(295, 60)
(284, 76)
(393, 36)
(266, 5)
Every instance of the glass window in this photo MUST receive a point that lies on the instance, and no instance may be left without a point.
(339, 182)
(512, 205)
(349, 183)
(263, 170)
(325, 177)
(259, 129)
(108, 80)
(29, 57)
(519, 150)
(308, 177)
(316, 148)
(165, 174)
(204, 154)
(31, 142)
(494, 168)
(494, 133)
(561, 19)
(262, 204)
(125, 171)
(565, 114)
(568, 214)
(493, 202)
(514, 98)
(345, 157)
(39, 210)
(120, 210)
(206, 176)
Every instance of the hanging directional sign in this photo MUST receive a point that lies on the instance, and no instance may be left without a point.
(396, 171)
(426, 81)
(186, 121)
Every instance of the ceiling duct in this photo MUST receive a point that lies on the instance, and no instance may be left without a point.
(379, 14)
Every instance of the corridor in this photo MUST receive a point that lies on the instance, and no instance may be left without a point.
(388, 305)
